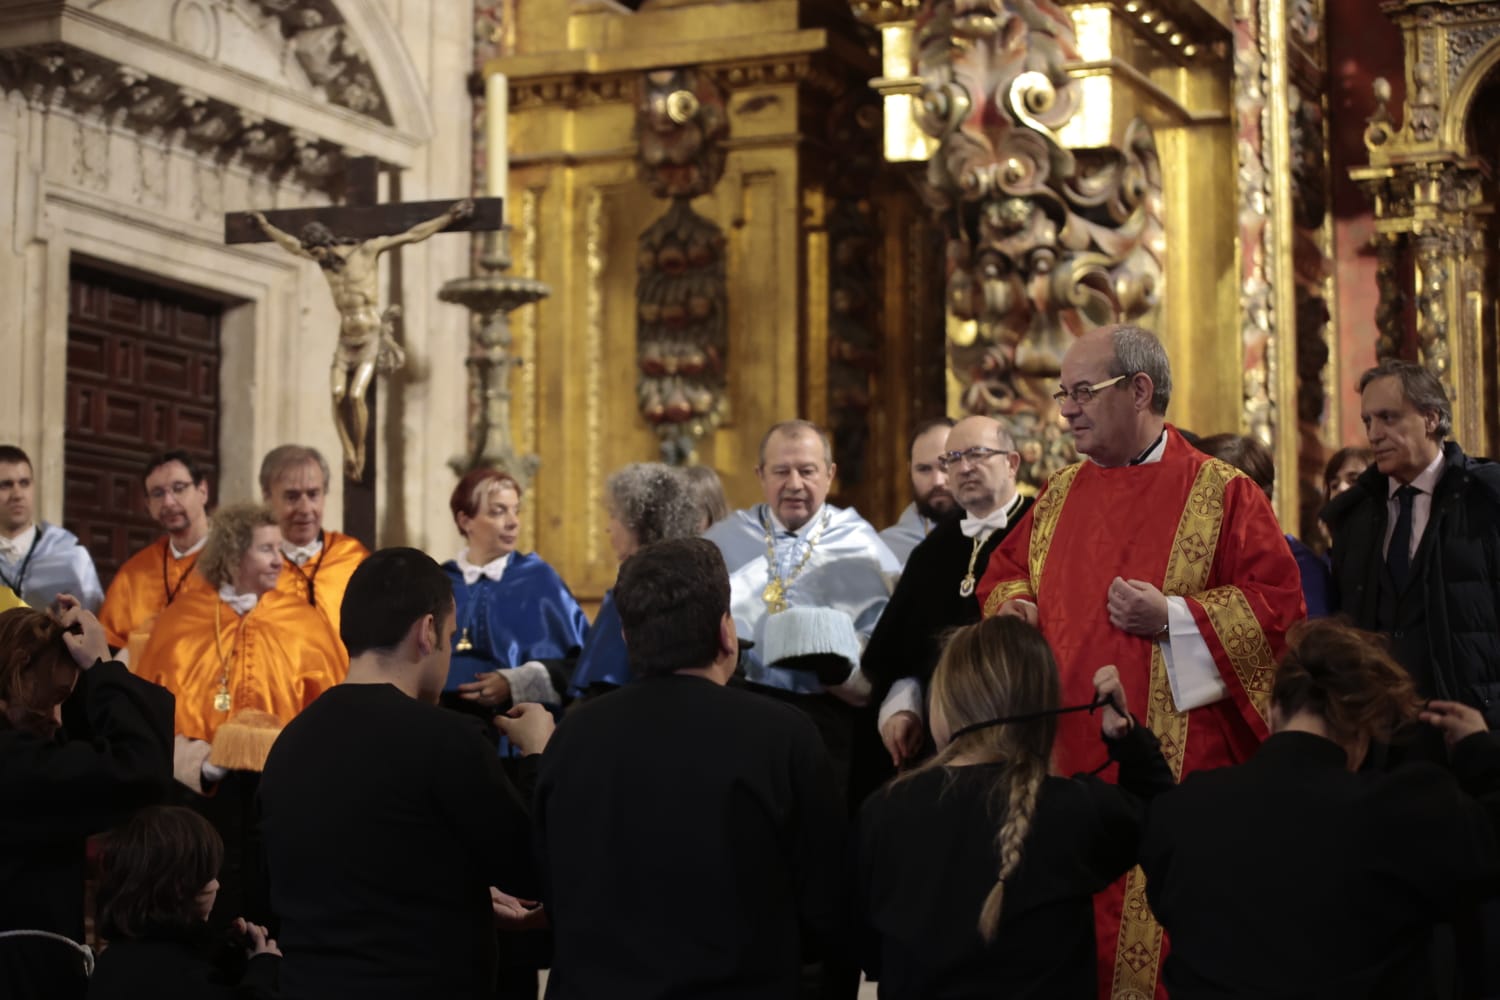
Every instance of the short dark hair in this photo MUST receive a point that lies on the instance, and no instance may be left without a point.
(11, 455)
(388, 593)
(671, 597)
(194, 470)
(923, 427)
(153, 868)
(1421, 387)
(1340, 458)
(1245, 453)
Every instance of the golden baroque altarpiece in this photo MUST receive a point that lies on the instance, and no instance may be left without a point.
(868, 212)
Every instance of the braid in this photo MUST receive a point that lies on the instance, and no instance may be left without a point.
(1022, 783)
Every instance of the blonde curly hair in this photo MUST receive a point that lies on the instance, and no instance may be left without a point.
(230, 533)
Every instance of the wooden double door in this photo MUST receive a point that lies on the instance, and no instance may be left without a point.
(143, 378)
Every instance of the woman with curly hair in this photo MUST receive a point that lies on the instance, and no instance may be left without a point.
(1297, 873)
(243, 658)
(646, 502)
(977, 870)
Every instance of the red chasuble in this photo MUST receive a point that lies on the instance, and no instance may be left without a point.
(1196, 528)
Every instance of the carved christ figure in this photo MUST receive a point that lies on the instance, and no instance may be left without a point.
(366, 340)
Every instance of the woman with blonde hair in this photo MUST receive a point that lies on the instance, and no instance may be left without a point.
(1297, 873)
(976, 871)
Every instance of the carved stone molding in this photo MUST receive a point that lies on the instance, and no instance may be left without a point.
(127, 98)
(318, 37)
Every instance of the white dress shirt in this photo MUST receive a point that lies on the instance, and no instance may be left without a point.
(14, 549)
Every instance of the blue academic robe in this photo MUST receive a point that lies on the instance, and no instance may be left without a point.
(528, 614)
(604, 659)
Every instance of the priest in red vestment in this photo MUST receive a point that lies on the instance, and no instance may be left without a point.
(1151, 556)
(316, 564)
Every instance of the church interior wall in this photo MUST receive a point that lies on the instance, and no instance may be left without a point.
(84, 182)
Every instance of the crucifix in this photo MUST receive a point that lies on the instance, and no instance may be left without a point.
(346, 242)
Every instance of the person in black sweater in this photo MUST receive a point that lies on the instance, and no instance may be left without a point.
(1296, 874)
(975, 873)
(936, 589)
(60, 786)
(157, 887)
(387, 820)
(689, 833)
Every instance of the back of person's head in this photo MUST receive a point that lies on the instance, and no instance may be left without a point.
(1000, 668)
(32, 656)
(390, 592)
(1345, 677)
(708, 492)
(155, 868)
(654, 501)
(1246, 454)
(672, 597)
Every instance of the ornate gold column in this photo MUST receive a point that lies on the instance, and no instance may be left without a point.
(677, 173)
(1434, 197)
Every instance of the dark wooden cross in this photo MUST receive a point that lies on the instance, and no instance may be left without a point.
(361, 217)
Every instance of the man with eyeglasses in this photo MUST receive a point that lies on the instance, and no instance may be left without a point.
(177, 499)
(38, 560)
(932, 499)
(1151, 556)
(937, 590)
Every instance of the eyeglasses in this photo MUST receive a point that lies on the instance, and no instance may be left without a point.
(1084, 394)
(973, 456)
(176, 489)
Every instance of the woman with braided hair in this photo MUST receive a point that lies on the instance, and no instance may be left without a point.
(976, 871)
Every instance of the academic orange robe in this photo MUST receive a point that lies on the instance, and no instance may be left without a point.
(325, 577)
(1196, 528)
(149, 581)
(277, 658)
(8, 599)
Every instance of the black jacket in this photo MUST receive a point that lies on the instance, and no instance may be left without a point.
(180, 965)
(1445, 626)
(1291, 877)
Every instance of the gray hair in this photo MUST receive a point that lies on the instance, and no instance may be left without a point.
(796, 428)
(654, 501)
(1421, 387)
(1138, 350)
(289, 456)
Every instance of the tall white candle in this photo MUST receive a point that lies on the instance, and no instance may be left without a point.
(497, 104)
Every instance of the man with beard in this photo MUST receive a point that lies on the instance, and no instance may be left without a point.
(316, 564)
(38, 560)
(932, 500)
(177, 499)
(808, 581)
(936, 591)
(1151, 556)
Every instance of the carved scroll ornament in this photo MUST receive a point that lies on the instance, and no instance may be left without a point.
(1045, 242)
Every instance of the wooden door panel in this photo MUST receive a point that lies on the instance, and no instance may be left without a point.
(143, 377)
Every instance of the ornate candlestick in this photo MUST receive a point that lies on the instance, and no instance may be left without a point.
(491, 297)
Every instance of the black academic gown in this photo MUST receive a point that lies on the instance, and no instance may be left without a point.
(115, 758)
(691, 842)
(181, 964)
(907, 640)
(927, 859)
(1288, 876)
